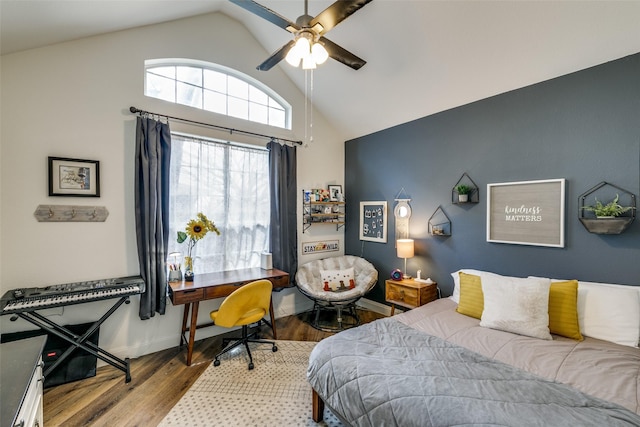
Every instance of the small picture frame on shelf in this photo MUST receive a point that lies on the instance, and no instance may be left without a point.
(74, 177)
(335, 193)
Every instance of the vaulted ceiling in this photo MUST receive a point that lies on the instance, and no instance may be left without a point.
(422, 56)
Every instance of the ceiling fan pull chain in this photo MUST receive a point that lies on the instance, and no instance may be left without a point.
(311, 110)
(306, 107)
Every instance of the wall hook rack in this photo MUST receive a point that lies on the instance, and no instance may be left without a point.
(71, 213)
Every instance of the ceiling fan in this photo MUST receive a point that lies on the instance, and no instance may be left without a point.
(309, 45)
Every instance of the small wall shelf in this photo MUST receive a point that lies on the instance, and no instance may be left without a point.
(331, 213)
(71, 213)
(614, 225)
(439, 223)
(474, 195)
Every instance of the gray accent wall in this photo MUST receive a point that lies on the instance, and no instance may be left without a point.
(584, 127)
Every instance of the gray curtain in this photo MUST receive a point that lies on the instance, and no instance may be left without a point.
(153, 153)
(283, 182)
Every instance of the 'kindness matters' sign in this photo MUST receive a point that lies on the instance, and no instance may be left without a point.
(523, 213)
(526, 213)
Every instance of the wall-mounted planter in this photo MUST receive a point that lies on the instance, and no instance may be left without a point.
(606, 225)
(611, 225)
(473, 196)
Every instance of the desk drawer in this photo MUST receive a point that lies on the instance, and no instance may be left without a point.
(280, 282)
(187, 296)
(221, 291)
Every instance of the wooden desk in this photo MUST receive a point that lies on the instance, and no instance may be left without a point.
(218, 285)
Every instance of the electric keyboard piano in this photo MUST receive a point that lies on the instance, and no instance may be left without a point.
(30, 299)
(24, 303)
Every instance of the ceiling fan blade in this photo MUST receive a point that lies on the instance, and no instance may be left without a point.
(336, 13)
(266, 13)
(342, 55)
(276, 57)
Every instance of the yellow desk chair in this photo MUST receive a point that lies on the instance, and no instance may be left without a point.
(246, 305)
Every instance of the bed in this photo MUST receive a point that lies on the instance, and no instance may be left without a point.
(436, 366)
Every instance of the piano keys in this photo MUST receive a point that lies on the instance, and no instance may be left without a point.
(30, 299)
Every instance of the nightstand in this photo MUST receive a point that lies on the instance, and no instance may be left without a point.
(409, 293)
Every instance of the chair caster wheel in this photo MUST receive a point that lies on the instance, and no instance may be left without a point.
(274, 348)
(216, 362)
(251, 366)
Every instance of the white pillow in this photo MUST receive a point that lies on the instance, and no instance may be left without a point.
(516, 305)
(609, 312)
(338, 280)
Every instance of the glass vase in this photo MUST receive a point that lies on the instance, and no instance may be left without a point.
(188, 269)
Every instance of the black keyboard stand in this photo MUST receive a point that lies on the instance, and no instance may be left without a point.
(78, 341)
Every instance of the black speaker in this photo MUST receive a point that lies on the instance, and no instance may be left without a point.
(78, 365)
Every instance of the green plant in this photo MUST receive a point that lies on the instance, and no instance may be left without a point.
(464, 189)
(613, 208)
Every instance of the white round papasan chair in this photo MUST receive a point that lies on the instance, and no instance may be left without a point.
(309, 281)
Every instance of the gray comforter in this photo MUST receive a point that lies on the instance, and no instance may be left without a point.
(387, 373)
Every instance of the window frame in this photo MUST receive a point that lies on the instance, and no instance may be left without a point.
(150, 64)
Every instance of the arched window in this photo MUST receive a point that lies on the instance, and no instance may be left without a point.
(215, 88)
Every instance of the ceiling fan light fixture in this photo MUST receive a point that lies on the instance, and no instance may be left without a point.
(308, 63)
(299, 50)
(319, 53)
(293, 57)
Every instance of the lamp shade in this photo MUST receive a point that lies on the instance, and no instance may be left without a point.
(319, 53)
(405, 248)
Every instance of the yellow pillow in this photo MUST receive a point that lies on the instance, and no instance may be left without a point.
(563, 309)
(471, 296)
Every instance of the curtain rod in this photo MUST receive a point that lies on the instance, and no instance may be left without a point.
(135, 110)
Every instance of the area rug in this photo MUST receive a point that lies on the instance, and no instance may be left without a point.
(274, 393)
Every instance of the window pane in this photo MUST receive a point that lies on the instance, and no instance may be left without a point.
(215, 80)
(160, 87)
(164, 71)
(238, 88)
(238, 108)
(190, 75)
(277, 118)
(275, 104)
(256, 95)
(189, 95)
(258, 113)
(216, 102)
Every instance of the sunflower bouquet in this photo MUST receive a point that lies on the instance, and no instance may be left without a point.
(195, 230)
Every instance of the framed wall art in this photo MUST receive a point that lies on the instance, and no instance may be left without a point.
(527, 212)
(74, 177)
(373, 221)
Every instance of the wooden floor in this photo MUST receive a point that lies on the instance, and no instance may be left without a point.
(158, 381)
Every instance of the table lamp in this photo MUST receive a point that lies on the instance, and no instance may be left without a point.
(405, 250)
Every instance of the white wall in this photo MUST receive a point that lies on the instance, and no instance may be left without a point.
(72, 100)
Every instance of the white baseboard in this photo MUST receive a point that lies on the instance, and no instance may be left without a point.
(375, 306)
